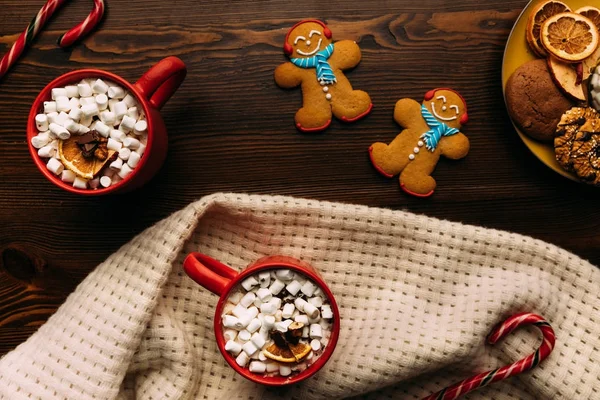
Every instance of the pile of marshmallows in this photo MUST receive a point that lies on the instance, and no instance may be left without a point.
(272, 301)
(92, 104)
(595, 88)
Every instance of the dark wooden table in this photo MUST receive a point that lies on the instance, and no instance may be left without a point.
(231, 129)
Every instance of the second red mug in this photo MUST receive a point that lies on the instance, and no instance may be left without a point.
(223, 281)
(151, 91)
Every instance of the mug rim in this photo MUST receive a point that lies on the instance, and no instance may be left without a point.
(273, 380)
(73, 77)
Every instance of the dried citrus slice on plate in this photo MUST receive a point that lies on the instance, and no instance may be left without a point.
(538, 15)
(280, 354)
(570, 37)
(73, 158)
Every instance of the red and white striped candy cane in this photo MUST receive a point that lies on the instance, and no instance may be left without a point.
(36, 24)
(529, 362)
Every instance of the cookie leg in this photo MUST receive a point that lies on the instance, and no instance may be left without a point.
(314, 116)
(415, 180)
(351, 105)
(388, 160)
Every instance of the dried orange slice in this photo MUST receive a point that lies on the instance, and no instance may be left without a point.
(280, 354)
(538, 15)
(592, 13)
(73, 158)
(570, 37)
(300, 350)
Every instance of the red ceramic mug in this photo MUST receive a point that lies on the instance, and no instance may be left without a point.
(221, 280)
(151, 91)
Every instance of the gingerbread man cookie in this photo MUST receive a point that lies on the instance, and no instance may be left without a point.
(431, 130)
(316, 64)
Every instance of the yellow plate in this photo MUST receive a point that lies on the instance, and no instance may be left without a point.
(517, 52)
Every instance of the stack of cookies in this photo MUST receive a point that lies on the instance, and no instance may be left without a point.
(555, 97)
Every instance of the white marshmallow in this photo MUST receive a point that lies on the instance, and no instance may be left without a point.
(99, 86)
(105, 181)
(75, 114)
(133, 113)
(89, 110)
(52, 117)
(288, 310)
(315, 344)
(311, 311)
(79, 183)
(249, 283)
(58, 92)
(124, 153)
(140, 128)
(283, 326)
(316, 331)
(102, 101)
(262, 357)
(254, 325)
(233, 347)
(257, 367)
(72, 91)
(316, 301)
(140, 150)
(229, 321)
(111, 104)
(276, 287)
(83, 129)
(117, 164)
(235, 297)
(55, 166)
(114, 145)
(264, 294)
(278, 316)
(268, 321)
(102, 128)
(293, 287)
(125, 171)
(303, 318)
(84, 89)
(284, 370)
(244, 335)
(117, 135)
(68, 176)
(41, 122)
(249, 348)
(84, 101)
(74, 102)
(40, 140)
(49, 106)
(129, 100)
(285, 274)
(268, 308)
(242, 359)
(247, 299)
(63, 104)
(272, 367)
(85, 121)
(326, 311)
(54, 144)
(60, 131)
(300, 303)
(46, 151)
(120, 109)
(127, 124)
(72, 126)
(239, 310)
(116, 92)
(108, 117)
(130, 142)
(308, 288)
(230, 334)
(251, 312)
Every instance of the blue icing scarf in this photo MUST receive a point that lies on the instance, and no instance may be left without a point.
(436, 131)
(319, 60)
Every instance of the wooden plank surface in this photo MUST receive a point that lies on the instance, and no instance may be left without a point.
(231, 129)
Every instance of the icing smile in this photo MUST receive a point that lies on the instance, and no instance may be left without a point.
(302, 53)
(439, 116)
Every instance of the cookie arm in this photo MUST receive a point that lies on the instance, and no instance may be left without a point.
(346, 54)
(455, 146)
(287, 76)
(407, 114)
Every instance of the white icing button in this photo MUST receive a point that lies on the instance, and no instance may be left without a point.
(308, 42)
(416, 150)
(444, 108)
(322, 83)
(411, 156)
(420, 143)
(325, 88)
(328, 96)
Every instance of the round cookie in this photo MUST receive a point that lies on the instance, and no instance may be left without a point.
(533, 100)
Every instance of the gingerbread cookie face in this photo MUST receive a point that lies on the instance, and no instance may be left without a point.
(317, 64)
(306, 39)
(431, 130)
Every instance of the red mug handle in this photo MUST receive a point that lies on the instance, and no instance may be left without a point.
(162, 80)
(208, 272)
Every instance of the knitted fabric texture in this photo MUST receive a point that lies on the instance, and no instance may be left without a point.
(417, 298)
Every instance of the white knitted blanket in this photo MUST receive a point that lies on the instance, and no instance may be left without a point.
(417, 298)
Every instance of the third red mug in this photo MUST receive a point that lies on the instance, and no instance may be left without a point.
(151, 91)
(224, 282)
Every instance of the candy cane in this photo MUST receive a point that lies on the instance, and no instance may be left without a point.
(529, 362)
(40, 20)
